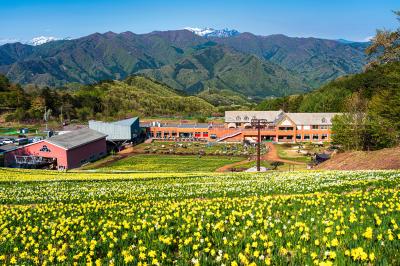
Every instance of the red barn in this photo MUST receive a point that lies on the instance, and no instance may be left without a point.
(66, 151)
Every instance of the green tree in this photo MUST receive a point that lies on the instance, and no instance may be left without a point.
(386, 44)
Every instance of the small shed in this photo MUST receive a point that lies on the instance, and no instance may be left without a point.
(24, 130)
(321, 157)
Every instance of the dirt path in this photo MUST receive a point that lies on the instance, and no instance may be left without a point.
(272, 155)
(228, 167)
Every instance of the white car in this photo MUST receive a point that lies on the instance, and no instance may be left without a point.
(7, 141)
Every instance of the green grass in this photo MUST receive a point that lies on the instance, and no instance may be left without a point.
(254, 163)
(283, 154)
(171, 163)
(11, 131)
(266, 164)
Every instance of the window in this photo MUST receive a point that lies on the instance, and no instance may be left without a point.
(197, 134)
(285, 128)
(173, 134)
(324, 136)
(158, 134)
(213, 136)
(205, 134)
(306, 137)
(238, 118)
(246, 118)
(45, 149)
(314, 127)
(151, 134)
(323, 127)
(298, 136)
(323, 120)
(315, 137)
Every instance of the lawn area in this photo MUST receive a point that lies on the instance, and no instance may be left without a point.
(274, 218)
(14, 131)
(289, 152)
(171, 163)
(266, 164)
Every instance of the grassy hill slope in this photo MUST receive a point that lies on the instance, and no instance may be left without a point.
(362, 160)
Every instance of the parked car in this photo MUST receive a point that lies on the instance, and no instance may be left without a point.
(7, 141)
(35, 139)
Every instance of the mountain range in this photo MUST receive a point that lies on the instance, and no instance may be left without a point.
(188, 60)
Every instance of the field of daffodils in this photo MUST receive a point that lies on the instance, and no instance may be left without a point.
(279, 218)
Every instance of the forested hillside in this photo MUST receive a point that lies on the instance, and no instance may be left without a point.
(373, 84)
(135, 96)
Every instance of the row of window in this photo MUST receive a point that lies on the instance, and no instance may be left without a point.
(245, 118)
(313, 127)
(313, 136)
(159, 134)
(320, 127)
(305, 137)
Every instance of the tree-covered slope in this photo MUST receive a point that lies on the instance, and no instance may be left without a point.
(332, 97)
(315, 60)
(219, 67)
(134, 96)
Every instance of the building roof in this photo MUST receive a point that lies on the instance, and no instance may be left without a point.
(7, 148)
(126, 122)
(312, 118)
(246, 116)
(75, 138)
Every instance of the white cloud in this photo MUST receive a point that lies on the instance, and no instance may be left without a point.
(367, 39)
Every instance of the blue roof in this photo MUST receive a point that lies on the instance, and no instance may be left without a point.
(126, 122)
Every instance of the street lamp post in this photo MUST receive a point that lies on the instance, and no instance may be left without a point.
(258, 123)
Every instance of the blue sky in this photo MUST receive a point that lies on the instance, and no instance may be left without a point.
(352, 19)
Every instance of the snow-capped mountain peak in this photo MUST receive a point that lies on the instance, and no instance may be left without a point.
(42, 40)
(200, 31)
(210, 32)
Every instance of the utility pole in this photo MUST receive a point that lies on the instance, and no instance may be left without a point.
(258, 123)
